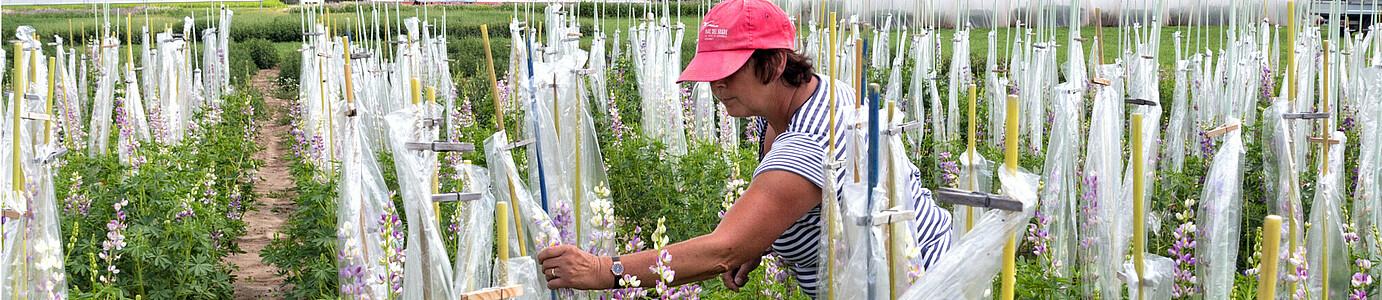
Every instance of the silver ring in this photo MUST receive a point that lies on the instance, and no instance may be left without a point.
(553, 272)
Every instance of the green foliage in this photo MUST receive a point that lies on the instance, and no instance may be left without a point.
(183, 212)
(262, 51)
(654, 184)
(304, 251)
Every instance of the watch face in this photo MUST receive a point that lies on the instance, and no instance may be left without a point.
(618, 269)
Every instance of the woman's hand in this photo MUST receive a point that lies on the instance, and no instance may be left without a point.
(566, 266)
(738, 277)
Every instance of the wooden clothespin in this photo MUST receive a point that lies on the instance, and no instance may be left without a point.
(359, 55)
(1221, 130)
(311, 33)
(511, 146)
(36, 116)
(494, 293)
(1101, 81)
(11, 214)
(1319, 140)
(1080, 39)
(1143, 102)
(977, 199)
(455, 196)
(441, 146)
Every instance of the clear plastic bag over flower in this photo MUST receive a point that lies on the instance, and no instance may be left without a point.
(967, 270)
(1326, 252)
(1219, 216)
(427, 271)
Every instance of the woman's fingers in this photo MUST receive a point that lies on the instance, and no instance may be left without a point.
(554, 251)
(729, 281)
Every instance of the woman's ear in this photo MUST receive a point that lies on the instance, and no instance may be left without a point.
(781, 63)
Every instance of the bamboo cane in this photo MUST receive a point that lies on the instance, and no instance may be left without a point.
(1010, 159)
(493, 80)
(1271, 243)
(859, 86)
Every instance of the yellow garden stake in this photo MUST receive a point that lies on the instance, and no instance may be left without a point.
(48, 106)
(501, 234)
(1138, 211)
(1271, 243)
(1010, 159)
(556, 115)
(16, 106)
(580, 188)
(970, 149)
(893, 232)
(349, 86)
(129, 41)
(436, 206)
(1291, 56)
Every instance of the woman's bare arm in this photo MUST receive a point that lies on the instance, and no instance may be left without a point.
(773, 202)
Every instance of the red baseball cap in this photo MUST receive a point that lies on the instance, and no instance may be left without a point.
(729, 34)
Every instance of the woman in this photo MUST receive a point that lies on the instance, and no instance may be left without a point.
(744, 51)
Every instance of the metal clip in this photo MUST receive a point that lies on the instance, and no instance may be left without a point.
(441, 146)
(1143, 102)
(977, 199)
(902, 127)
(455, 196)
(1305, 116)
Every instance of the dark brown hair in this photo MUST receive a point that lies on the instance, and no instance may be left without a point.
(798, 70)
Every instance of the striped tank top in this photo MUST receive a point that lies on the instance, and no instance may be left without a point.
(800, 149)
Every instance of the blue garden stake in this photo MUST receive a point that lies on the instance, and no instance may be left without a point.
(873, 164)
(537, 133)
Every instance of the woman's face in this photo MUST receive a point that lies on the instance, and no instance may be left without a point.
(742, 93)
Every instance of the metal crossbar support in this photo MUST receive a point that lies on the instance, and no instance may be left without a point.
(442, 146)
(524, 142)
(455, 196)
(1143, 102)
(977, 199)
(1305, 116)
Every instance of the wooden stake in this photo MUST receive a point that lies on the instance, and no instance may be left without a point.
(493, 81)
(830, 215)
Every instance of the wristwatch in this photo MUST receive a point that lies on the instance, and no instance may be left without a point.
(617, 268)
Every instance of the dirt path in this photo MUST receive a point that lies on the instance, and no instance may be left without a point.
(256, 280)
